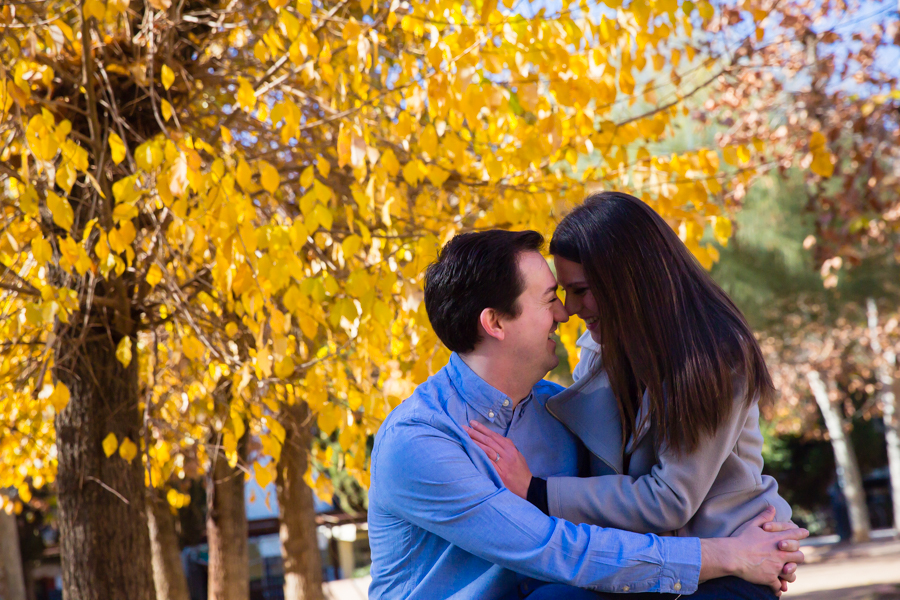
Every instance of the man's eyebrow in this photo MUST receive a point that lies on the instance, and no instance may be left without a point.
(552, 289)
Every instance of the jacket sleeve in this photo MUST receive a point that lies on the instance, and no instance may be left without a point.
(448, 496)
(661, 501)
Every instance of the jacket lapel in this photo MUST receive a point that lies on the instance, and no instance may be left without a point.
(588, 408)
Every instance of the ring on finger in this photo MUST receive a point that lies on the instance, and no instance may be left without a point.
(497, 458)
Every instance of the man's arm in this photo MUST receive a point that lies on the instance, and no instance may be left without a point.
(427, 478)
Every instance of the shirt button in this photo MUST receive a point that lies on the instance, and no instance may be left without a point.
(491, 414)
(626, 588)
(677, 586)
(506, 402)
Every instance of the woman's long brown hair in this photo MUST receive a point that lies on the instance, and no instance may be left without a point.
(664, 324)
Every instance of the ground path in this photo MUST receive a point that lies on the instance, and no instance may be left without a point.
(869, 571)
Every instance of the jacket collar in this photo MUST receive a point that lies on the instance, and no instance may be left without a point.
(589, 409)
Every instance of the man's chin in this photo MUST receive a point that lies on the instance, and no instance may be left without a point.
(552, 364)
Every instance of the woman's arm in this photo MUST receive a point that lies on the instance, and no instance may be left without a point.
(663, 500)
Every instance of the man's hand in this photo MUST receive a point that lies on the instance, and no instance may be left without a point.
(789, 572)
(509, 462)
(754, 554)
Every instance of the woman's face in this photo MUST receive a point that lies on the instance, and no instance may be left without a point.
(579, 300)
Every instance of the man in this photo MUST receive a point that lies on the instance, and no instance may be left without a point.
(441, 523)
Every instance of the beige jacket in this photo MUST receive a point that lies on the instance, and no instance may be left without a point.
(708, 493)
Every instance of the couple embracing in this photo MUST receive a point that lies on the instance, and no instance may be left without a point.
(644, 477)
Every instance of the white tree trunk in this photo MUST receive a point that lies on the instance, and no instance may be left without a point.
(887, 366)
(11, 559)
(847, 467)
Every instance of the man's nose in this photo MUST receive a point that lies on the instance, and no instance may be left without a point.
(560, 313)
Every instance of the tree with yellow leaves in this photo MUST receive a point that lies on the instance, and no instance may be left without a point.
(245, 195)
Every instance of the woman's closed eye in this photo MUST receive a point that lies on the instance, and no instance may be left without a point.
(580, 291)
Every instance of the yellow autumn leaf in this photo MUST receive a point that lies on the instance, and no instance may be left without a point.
(246, 97)
(166, 110)
(61, 211)
(817, 142)
(389, 161)
(264, 474)
(41, 250)
(722, 230)
(284, 368)
(344, 141)
(123, 351)
(60, 397)
(154, 275)
(117, 148)
(168, 77)
(244, 176)
(65, 176)
(323, 215)
(110, 443)
(128, 449)
(823, 163)
(94, 8)
(148, 156)
(307, 177)
(323, 166)
(351, 245)
(428, 141)
(269, 177)
(729, 154)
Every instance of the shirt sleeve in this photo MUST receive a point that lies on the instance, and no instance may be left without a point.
(427, 478)
(663, 500)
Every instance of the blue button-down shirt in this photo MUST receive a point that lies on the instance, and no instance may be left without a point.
(442, 525)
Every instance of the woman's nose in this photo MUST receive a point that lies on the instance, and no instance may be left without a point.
(572, 305)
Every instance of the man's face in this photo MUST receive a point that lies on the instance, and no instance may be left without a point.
(528, 335)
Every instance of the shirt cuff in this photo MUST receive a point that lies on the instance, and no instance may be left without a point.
(680, 572)
(537, 494)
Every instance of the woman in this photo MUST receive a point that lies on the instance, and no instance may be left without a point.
(666, 391)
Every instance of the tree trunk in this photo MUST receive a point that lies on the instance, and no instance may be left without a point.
(892, 437)
(296, 510)
(226, 529)
(887, 366)
(11, 574)
(849, 478)
(104, 540)
(168, 572)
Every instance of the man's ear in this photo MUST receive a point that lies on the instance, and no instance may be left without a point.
(490, 321)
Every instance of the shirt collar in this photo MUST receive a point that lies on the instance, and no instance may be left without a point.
(587, 341)
(488, 401)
